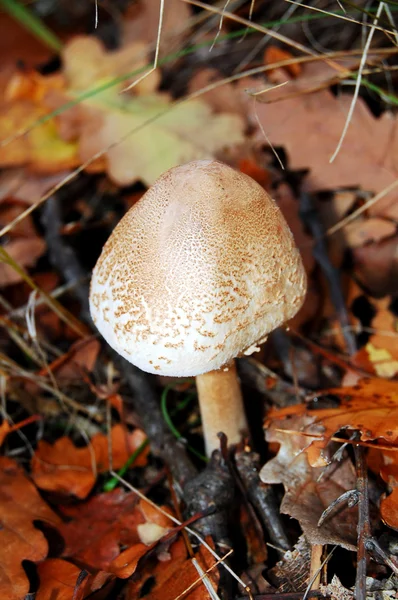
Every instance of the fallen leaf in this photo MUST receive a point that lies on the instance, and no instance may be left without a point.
(23, 245)
(17, 44)
(384, 363)
(97, 530)
(309, 126)
(370, 407)
(376, 266)
(31, 85)
(389, 473)
(222, 99)
(86, 61)
(20, 184)
(183, 132)
(41, 149)
(80, 358)
(20, 506)
(64, 468)
(25, 252)
(172, 577)
(62, 580)
(58, 579)
(274, 54)
(336, 590)
(366, 230)
(292, 573)
(308, 490)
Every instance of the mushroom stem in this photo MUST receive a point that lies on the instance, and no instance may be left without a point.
(221, 406)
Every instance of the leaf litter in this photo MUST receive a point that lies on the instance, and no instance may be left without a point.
(114, 535)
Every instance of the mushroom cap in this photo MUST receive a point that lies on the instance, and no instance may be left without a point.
(202, 267)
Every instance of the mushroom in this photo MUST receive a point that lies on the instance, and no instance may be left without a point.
(196, 273)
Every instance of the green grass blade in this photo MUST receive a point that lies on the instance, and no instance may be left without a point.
(32, 23)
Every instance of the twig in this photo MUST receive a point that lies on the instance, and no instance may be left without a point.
(364, 533)
(311, 220)
(214, 486)
(262, 498)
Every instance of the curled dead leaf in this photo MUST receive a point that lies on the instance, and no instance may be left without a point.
(308, 490)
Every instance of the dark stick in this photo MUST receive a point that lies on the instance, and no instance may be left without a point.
(364, 533)
(63, 257)
(262, 498)
(311, 220)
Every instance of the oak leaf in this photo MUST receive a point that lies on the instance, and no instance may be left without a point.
(308, 490)
(62, 580)
(41, 149)
(58, 579)
(121, 128)
(171, 578)
(96, 530)
(308, 126)
(370, 408)
(62, 467)
(20, 506)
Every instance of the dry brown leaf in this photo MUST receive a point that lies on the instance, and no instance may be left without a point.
(309, 126)
(389, 472)
(308, 490)
(172, 577)
(23, 245)
(371, 408)
(97, 530)
(80, 358)
(20, 505)
(17, 44)
(20, 184)
(222, 98)
(292, 573)
(58, 579)
(366, 230)
(61, 580)
(336, 590)
(274, 54)
(64, 468)
(376, 266)
(25, 252)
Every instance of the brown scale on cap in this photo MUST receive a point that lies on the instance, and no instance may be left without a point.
(199, 270)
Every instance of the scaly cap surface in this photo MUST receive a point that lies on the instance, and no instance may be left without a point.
(199, 270)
